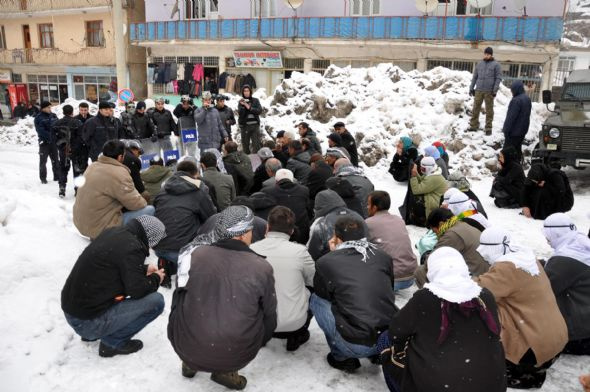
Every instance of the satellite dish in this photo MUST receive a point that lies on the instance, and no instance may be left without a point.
(479, 3)
(520, 4)
(426, 6)
(294, 3)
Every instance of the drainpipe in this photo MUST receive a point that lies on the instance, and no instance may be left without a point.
(119, 19)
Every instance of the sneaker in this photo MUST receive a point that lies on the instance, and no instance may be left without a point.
(348, 365)
(187, 371)
(130, 347)
(62, 191)
(231, 380)
(293, 343)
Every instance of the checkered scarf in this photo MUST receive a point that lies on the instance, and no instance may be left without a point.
(362, 246)
(154, 229)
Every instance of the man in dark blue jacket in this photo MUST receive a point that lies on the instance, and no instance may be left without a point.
(47, 147)
(518, 118)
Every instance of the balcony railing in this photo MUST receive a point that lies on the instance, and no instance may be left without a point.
(85, 56)
(16, 6)
(457, 28)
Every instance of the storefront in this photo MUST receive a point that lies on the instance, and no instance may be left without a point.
(5, 80)
(94, 88)
(51, 88)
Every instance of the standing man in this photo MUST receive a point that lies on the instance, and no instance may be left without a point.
(185, 108)
(484, 86)
(143, 125)
(64, 131)
(100, 129)
(249, 110)
(348, 142)
(79, 148)
(47, 148)
(226, 115)
(518, 118)
(212, 132)
(164, 124)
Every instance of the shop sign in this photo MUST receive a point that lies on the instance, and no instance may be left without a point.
(5, 76)
(258, 59)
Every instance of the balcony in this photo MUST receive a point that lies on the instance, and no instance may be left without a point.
(85, 56)
(456, 28)
(19, 7)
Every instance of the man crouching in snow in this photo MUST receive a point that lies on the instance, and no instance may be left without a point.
(110, 294)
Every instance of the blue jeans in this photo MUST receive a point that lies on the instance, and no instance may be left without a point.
(169, 255)
(121, 321)
(403, 284)
(340, 348)
(147, 210)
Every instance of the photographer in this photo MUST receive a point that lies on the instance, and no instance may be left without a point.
(249, 111)
(212, 132)
(225, 114)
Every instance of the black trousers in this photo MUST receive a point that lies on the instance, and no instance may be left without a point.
(48, 150)
(526, 374)
(515, 142)
(79, 159)
(64, 165)
(293, 334)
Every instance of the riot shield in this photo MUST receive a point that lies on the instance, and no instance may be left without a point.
(150, 150)
(189, 136)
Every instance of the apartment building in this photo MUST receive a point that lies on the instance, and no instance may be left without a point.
(54, 49)
(269, 39)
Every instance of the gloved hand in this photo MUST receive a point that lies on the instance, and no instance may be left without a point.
(472, 93)
(154, 138)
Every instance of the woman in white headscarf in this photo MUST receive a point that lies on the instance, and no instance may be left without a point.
(430, 184)
(568, 270)
(533, 329)
(459, 203)
(453, 332)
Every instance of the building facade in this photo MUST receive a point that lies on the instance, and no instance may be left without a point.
(54, 49)
(212, 35)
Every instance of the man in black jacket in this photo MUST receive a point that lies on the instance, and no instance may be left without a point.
(111, 294)
(142, 124)
(164, 124)
(298, 162)
(65, 130)
(185, 108)
(100, 129)
(183, 205)
(249, 110)
(306, 132)
(354, 299)
(226, 115)
(260, 174)
(132, 152)
(320, 172)
(47, 147)
(348, 142)
(79, 148)
(518, 118)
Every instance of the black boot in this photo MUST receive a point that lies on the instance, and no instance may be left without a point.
(231, 380)
(62, 191)
(170, 269)
(187, 371)
(294, 342)
(130, 347)
(347, 365)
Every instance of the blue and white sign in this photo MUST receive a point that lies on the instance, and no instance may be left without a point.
(189, 135)
(171, 155)
(126, 95)
(145, 160)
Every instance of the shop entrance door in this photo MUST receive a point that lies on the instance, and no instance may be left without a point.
(27, 44)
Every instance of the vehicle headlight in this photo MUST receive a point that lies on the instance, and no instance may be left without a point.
(554, 133)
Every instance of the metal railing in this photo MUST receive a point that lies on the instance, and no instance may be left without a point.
(15, 6)
(85, 56)
(457, 28)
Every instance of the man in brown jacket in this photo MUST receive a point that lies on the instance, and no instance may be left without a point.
(225, 307)
(457, 235)
(107, 190)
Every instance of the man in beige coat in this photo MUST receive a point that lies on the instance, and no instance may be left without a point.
(107, 190)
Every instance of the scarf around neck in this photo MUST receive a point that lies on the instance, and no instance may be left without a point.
(362, 246)
(445, 226)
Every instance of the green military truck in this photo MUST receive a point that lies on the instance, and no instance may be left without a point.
(564, 139)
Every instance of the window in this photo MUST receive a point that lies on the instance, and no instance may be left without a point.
(46, 35)
(262, 8)
(95, 88)
(52, 88)
(94, 33)
(319, 65)
(564, 67)
(200, 9)
(364, 7)
(2, 38)
(482, 11)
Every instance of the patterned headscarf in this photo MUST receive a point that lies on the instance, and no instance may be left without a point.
(154, 229)
(234, 221)
(362, 246)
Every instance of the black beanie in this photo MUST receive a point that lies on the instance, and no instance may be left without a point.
(140, 105)
(336, 138)
(45, 104)
(489, 51)
(104, 105)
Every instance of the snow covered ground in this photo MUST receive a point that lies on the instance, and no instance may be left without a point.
(40, 352)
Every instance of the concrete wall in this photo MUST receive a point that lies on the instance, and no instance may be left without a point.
(136, 55)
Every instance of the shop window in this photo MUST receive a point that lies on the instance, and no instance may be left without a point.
(46, 35)
(95, 88)
(262, 8)
(94, 33)
(364, 7)
(2, 38)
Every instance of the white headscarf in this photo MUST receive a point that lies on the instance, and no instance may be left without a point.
(449, 278)
(495, 247)
(459, 202)
(450, 192)
(428, 165)
(564, 238)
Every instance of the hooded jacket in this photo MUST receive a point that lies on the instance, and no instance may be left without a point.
(511, 177)
(518, 117)
(263, 203)
(349, 144)
(211, 129)
(227, 311)
(251, 115)
(362, 185)
(344, 189)
(555, 196)
(487, 76)
(328, 208)
(153, 178)
(316, 180)
(183, 206)
(299, 165)
(296, 198)
(110, 267)
(43, 125)
(225, 190)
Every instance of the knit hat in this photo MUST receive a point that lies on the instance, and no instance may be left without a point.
(284, 174)
(45, 104)
(428, 164)
(336, 138)
(265, 153)
(104, 105)
(154, 229)
(489, 51)
(140, 105)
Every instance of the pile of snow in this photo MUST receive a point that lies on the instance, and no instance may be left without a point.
(576, 29)
(382, 103)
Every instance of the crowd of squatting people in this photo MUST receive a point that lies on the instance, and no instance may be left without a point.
(255, 253)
